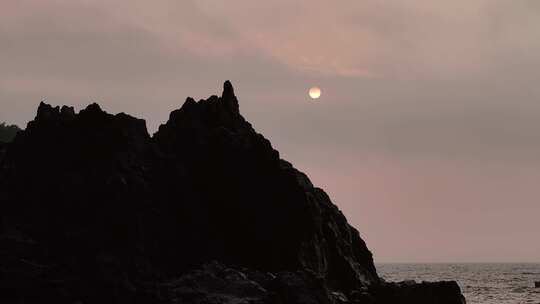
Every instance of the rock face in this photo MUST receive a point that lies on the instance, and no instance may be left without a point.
(95, 210)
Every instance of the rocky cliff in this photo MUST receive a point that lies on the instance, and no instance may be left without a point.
(95, 210)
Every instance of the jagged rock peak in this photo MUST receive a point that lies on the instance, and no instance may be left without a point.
(93, 108)
(228, 89)
(46, 111)
(207, 114)
(229, 99)
(189, 103)
(67, 111)
(51, 122)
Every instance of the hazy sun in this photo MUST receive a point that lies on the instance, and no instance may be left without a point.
(315, 92)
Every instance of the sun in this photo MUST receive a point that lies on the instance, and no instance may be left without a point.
(314, 92)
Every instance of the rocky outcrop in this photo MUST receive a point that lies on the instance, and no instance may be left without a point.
(96, 210)
(263, 212)
(7, 132)
(446, 292)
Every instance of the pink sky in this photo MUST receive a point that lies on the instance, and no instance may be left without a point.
(427, 135)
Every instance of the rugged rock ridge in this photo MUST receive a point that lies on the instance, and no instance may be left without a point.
(205, 211)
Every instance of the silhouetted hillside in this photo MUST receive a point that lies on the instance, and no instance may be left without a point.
(95, 210)
(8, 132)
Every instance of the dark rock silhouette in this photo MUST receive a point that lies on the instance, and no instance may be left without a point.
(537, 284)
(8, 132)
(205, 211)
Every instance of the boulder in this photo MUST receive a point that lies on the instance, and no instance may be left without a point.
(445, 292)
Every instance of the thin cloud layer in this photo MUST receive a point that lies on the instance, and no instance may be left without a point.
(418, 95)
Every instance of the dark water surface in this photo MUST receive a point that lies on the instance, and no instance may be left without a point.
(481, 283)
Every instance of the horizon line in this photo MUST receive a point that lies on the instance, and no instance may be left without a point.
(454, 262)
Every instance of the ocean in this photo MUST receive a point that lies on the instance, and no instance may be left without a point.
(480, 283)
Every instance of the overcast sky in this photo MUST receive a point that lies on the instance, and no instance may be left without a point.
(427, 134)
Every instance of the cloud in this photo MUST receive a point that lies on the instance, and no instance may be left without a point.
(415, 76)
(432, 92)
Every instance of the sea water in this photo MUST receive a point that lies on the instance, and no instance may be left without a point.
(480, 283)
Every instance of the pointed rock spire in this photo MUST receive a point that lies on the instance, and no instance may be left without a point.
(228, 90)
(229, 99)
